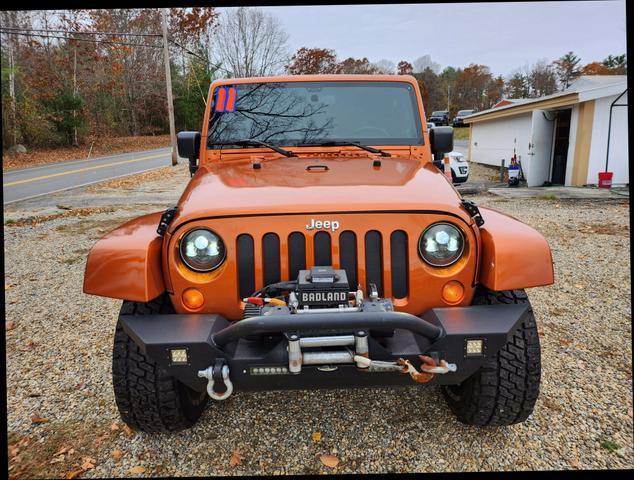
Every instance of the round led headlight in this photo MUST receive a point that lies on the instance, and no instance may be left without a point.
(441, 244)
(202, 250)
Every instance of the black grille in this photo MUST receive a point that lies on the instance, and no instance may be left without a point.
(322, 255)
(246, 265)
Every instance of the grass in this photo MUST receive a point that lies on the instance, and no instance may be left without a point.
(461, 133)
(609, 445)
(549, 196)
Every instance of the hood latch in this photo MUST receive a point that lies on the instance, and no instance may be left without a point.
(166, 218)
(473, 210)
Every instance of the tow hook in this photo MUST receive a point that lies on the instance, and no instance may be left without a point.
(428, 368)
(208, 373)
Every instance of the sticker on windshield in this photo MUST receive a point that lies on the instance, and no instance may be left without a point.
(225, 99)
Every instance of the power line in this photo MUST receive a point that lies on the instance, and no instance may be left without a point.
(79, 39)
(114, 34)
(21, 31)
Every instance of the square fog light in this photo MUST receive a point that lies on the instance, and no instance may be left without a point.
(179, 355)
(474, 347)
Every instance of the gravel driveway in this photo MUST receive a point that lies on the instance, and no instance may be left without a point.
(63, 420)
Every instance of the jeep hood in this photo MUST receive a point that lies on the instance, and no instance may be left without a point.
(316, 185)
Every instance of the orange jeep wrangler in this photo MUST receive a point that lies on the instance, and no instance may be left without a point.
(319, 245)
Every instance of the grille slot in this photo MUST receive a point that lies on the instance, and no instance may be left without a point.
(271, 258)
(296, 254)
(323, 249)
(400, 267)
(348, 256)
(374, 261)
(246, 265)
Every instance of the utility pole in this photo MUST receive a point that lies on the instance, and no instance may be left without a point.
(448, 90)
(12, 93)
(168, 85)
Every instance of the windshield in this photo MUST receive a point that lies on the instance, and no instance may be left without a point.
(465, 112)
(293, 113)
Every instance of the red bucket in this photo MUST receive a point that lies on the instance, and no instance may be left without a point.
(605, 179)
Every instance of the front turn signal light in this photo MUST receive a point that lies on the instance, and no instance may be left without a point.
(453, 292)
(193, 299)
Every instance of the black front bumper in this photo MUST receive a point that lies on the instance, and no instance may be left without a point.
(441, 332)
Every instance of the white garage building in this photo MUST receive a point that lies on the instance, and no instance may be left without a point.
(562, 138)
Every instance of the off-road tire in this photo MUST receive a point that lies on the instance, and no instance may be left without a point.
(148, 399)
(505, 389)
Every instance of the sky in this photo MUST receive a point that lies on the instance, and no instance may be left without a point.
(503, 36)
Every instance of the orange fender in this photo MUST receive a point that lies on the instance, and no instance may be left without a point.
(514, 255)
(126, 263)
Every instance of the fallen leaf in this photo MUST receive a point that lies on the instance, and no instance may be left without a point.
(236, 458)
(116, 455)
(128, 431)
(57, 460)
(37, 419)
(31, 344)
(579, 285)
(114, 426)
(574, 463)
(74, 474)
(316, 436)
(136, 470)
(62, 451)
(13, 450)
(564, 343)
(329, 460)
(10, 325)
(88, 463)
(7, 286)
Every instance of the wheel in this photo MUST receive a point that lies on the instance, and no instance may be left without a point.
(505, 389)
(147, 398)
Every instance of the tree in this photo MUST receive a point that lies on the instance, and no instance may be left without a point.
(471, 87)
(432, 90)
(385, 66)
(494, 91)
(250, 43)
(308, 61)
(405, 68)
(616, 65)
(594, 68)
(518, 86)
(567, 69)
(542, 79)
(421, 63)
(357, 66)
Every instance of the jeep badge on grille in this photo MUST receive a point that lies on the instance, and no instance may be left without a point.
(332, 225)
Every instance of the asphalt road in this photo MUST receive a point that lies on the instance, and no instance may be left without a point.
(42, 180)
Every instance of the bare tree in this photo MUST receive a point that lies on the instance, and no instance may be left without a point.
(250, 43)
(386, 66)
(421, 63)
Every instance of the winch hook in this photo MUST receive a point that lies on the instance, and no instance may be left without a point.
(428, 368)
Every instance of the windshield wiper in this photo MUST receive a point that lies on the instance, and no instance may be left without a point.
(258, 143)
(333, 143)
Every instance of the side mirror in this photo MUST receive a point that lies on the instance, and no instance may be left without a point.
(188, 144)
(441, 140)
